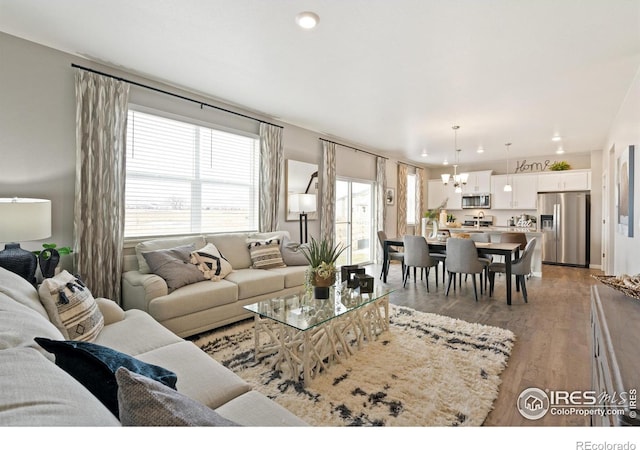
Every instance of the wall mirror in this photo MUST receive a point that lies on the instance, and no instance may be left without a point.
(301, 178)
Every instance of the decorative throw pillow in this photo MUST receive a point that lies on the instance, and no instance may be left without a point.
(144, 402)
(291, 253)
(174, 265)
(211, 262)
(94, 366)
(71, 307)
(265, 254)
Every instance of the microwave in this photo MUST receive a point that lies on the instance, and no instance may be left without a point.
(476, 201)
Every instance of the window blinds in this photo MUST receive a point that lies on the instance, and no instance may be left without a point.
(183, 178)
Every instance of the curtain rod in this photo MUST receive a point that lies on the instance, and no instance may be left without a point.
(353, 148)
(182, 97)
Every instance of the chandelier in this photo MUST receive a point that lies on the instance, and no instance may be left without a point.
(458, 179)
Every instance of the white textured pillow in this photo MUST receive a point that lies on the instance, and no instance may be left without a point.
(71, 307)
(211, 262)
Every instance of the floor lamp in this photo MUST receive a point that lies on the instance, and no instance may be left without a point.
(303, 204)
(23, 219)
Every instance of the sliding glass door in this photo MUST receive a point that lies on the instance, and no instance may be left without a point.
(354, 220)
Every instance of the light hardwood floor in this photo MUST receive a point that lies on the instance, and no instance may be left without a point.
(552, 350)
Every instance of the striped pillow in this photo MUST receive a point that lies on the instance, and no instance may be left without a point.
(71, 307)
(211, 262)
(265, 254)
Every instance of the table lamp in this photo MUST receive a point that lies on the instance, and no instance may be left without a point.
(23, 219)
(303, 204)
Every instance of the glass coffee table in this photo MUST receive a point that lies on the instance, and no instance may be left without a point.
(308, 334)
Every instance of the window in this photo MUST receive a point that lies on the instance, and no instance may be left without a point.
(411, 199)
(185, 178)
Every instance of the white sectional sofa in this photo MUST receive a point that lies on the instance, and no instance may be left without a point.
(206, 305)
(35, 391)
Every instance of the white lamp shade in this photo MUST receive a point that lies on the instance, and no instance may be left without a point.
(507, 188)
(302, 203)
(24, 219)
(445, 178)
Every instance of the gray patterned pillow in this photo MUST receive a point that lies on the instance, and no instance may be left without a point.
(143, 402)
(174, 266)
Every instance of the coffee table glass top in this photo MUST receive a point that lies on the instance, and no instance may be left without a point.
(304, 312)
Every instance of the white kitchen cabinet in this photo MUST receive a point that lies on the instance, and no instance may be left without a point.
(437, 192)
(524, 193)
(566, 180)
(478, 182)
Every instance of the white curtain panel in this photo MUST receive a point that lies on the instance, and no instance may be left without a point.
(271, 169)
(417, 230)
(381, 210)
(328, 208)
(401, 200)
(101, 127)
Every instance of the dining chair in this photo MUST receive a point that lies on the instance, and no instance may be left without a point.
(416, 255)
(440, 257)
(483, 237)
(462, 258)
(394, 255)
(520, 268)
(515, 237)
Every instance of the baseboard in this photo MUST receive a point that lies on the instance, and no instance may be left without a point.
(595, 266)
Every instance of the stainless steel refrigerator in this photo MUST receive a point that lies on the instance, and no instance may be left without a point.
(564, 223)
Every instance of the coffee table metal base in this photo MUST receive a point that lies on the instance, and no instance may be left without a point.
(305, 354)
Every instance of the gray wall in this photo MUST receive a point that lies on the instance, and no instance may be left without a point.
(37, 132)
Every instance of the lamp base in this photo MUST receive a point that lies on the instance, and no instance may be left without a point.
(17, 260)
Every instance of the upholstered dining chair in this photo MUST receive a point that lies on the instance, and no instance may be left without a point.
(416, 255)
(394, 255)
(462, 258)
(483, 237)
(520, 268)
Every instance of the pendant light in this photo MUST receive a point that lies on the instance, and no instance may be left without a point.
(507, 187)
(461, 179)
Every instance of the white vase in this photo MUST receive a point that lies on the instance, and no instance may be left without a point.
(434, 232)
(425, 225)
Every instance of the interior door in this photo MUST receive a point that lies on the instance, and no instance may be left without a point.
(354, 220)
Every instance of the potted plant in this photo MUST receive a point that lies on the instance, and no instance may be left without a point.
(322, 258)
(560, 165)
(50, 257)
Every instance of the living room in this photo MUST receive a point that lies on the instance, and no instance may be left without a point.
(38, 129)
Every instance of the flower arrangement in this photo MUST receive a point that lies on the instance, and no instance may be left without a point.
(432, 214)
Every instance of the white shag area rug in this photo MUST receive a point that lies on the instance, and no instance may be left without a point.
(427, 370)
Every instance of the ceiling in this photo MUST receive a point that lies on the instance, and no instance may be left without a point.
(392, 76)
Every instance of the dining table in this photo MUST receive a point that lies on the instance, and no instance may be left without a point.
(510, 251)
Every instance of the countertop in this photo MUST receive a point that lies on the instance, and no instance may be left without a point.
(494, 229)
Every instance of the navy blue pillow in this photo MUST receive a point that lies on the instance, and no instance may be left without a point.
(94, 366)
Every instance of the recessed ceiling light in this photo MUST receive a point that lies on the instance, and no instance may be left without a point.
(556, 138)
(445, 163)
(560, 151)
(307, 20)
(480, 149)
(424, 153)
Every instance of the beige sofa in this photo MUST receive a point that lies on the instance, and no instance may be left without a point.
(206, 305)
(34, 391)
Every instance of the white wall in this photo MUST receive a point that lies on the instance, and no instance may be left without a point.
(624, 132)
